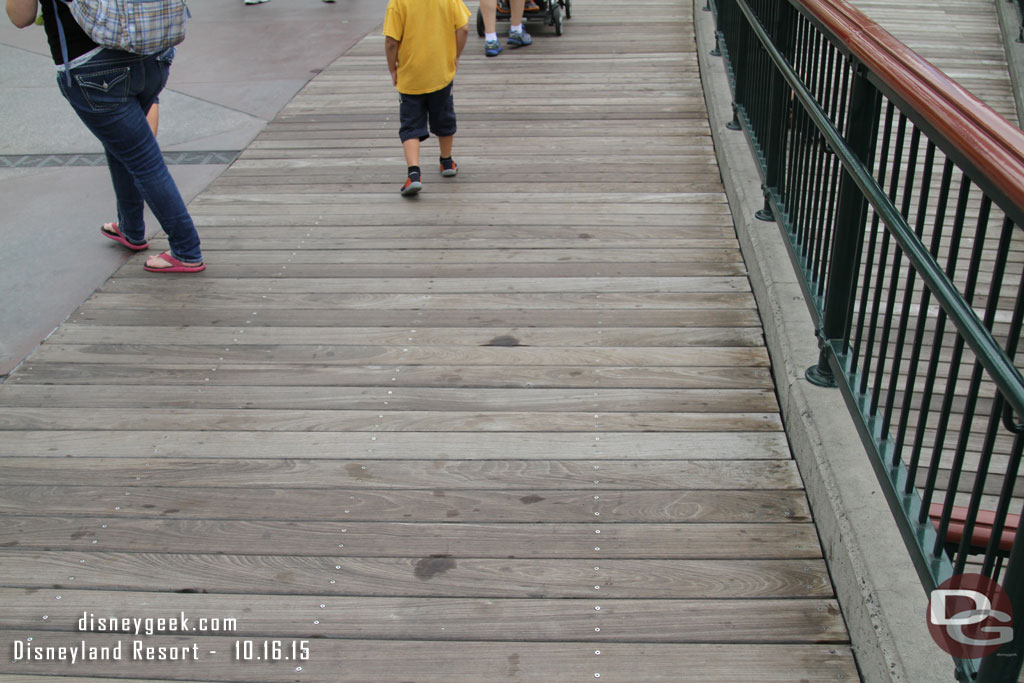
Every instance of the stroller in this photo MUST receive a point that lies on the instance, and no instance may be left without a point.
(551, 11)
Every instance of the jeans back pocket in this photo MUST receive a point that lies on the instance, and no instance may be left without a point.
(104, 91)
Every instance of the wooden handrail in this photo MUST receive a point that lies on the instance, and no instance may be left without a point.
(982, 531)
(985, 139)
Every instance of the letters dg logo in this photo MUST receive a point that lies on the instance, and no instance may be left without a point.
(969, 616)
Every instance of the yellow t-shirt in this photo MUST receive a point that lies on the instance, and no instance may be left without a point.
(425, 30)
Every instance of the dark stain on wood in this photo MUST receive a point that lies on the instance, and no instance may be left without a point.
(429, 567)
(503, 340)
(513, 665)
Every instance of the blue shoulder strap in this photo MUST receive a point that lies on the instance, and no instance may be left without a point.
(63, 44)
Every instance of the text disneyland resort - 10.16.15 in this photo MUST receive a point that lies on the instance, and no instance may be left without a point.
(138, 649)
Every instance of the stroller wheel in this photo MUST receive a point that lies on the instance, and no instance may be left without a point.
(556, 19)
(479, 23)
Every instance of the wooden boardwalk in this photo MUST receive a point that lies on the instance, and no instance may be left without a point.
(960, 37)
(521, 427)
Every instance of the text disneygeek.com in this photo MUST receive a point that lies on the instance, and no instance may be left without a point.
(141, 650)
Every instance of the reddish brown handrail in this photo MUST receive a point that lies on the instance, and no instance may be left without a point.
(988, 141)
(982, 526)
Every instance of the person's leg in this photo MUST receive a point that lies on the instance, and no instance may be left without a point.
(412, 113)
(445, 143)
(412, 152)
(413, 182)
(134, 226)
(518, 7)
(113, 230)
(488, 8)
(441, 109)
(153, 117)
(129, 201)
(517, 35)
(448, 166)
(111, 94)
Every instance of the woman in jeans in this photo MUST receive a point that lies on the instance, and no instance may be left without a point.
(111, 91)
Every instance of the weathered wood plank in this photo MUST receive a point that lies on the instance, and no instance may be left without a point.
(331, 398)
(429, 336)
(415, 577)
(368, 473)
(221, 288)
(447, 619)
(242, 318)
(724, 295)
(383, 181)
(405, 356)
(454, 256)
(310, 375)
(410, 539)
(566, 446)
(241, 271)
(380, 421)
(526, 506)
(332, 661)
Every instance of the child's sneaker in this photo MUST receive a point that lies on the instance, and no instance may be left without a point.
(519, 38)
(448, 167)
(412, 185)
(492, 48)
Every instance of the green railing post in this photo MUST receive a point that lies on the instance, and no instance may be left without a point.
(1004, 665)
(851, 217)
(739, 33)
(778, 110)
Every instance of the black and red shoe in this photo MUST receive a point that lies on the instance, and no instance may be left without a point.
(412, 185)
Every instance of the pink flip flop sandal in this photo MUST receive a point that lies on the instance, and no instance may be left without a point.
(115, 234)
(175, 266)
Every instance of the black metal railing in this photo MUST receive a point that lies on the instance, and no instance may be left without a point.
(900, 197)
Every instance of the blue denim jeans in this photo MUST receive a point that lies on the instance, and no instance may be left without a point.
(111, 93)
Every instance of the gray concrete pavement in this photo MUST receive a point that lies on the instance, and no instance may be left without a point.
(238, 67)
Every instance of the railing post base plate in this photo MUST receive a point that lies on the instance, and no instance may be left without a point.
(818, 378)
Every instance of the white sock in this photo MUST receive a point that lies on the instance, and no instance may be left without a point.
(516, 29)
(490, 36)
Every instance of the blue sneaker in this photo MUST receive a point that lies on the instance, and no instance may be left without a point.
(491, 48)
(519, 38)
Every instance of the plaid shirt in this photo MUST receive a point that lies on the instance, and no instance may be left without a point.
(140, 26)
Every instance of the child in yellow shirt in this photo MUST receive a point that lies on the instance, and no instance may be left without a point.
(423, 42)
